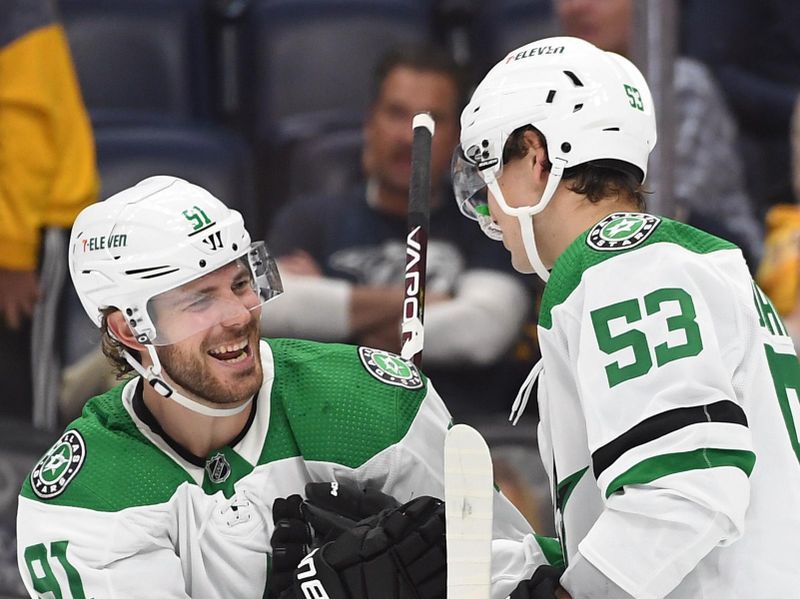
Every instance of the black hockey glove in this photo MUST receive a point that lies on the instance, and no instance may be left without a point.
(542, 585)
(290, 542)
(401, 555)
(332, 508)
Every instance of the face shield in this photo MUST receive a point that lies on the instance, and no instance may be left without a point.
(231, 292)
(475, 174)
(470, 186)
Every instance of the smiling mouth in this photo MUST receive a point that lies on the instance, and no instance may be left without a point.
(231, 353)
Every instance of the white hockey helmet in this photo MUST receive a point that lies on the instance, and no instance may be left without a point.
(590, 106)
(164, 232)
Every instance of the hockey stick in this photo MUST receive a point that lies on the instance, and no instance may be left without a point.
(469, 497)
(419, 197)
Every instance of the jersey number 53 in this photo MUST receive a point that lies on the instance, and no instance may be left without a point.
(635, 339)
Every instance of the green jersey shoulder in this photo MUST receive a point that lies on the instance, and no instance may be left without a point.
(103, 462)
(618, 234)
(324, 402)
(339, 403)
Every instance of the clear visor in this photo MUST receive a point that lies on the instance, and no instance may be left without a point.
(471, 191)
(225, 296)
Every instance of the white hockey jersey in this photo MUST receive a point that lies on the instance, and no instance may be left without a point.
(117, 509)
(669, 411)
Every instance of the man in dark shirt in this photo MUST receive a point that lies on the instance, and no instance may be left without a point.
(343, 257)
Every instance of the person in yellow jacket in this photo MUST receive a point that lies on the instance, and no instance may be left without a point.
(779, 271)
(47, 175)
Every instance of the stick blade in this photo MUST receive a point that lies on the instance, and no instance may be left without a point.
(469, 497)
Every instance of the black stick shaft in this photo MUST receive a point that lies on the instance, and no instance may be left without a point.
(419, 198)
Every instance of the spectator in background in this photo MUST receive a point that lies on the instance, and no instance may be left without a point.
(754, 51)
(779, 271)
(795, 150)
(709, 176)
(343, 258)
(47, 175)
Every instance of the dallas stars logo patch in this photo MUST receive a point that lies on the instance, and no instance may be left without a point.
(59, 466)
(622, 230)
(390, 368)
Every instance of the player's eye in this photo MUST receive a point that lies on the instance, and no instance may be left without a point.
(201, 302)
(242, 285)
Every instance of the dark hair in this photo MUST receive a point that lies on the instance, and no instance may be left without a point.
(420, 57)
(596, 180)
(112, 347)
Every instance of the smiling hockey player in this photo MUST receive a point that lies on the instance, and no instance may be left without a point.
(164, 487)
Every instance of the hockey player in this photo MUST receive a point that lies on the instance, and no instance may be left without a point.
(668, 388)
(164, 487)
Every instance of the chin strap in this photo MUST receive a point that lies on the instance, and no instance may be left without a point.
(528, 240)
(524, 393)
(153, 375)
(525, 217)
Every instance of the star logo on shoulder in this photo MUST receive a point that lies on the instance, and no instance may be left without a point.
(59, 466)
(622, 230)
(390, 368)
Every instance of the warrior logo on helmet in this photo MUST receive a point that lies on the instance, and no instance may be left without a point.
(214, 241)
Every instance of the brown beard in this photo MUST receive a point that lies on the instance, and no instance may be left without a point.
(188, 370)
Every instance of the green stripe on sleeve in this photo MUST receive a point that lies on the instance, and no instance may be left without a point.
(671, 463)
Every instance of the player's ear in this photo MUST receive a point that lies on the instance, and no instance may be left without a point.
(537, 155)
(118, 327)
